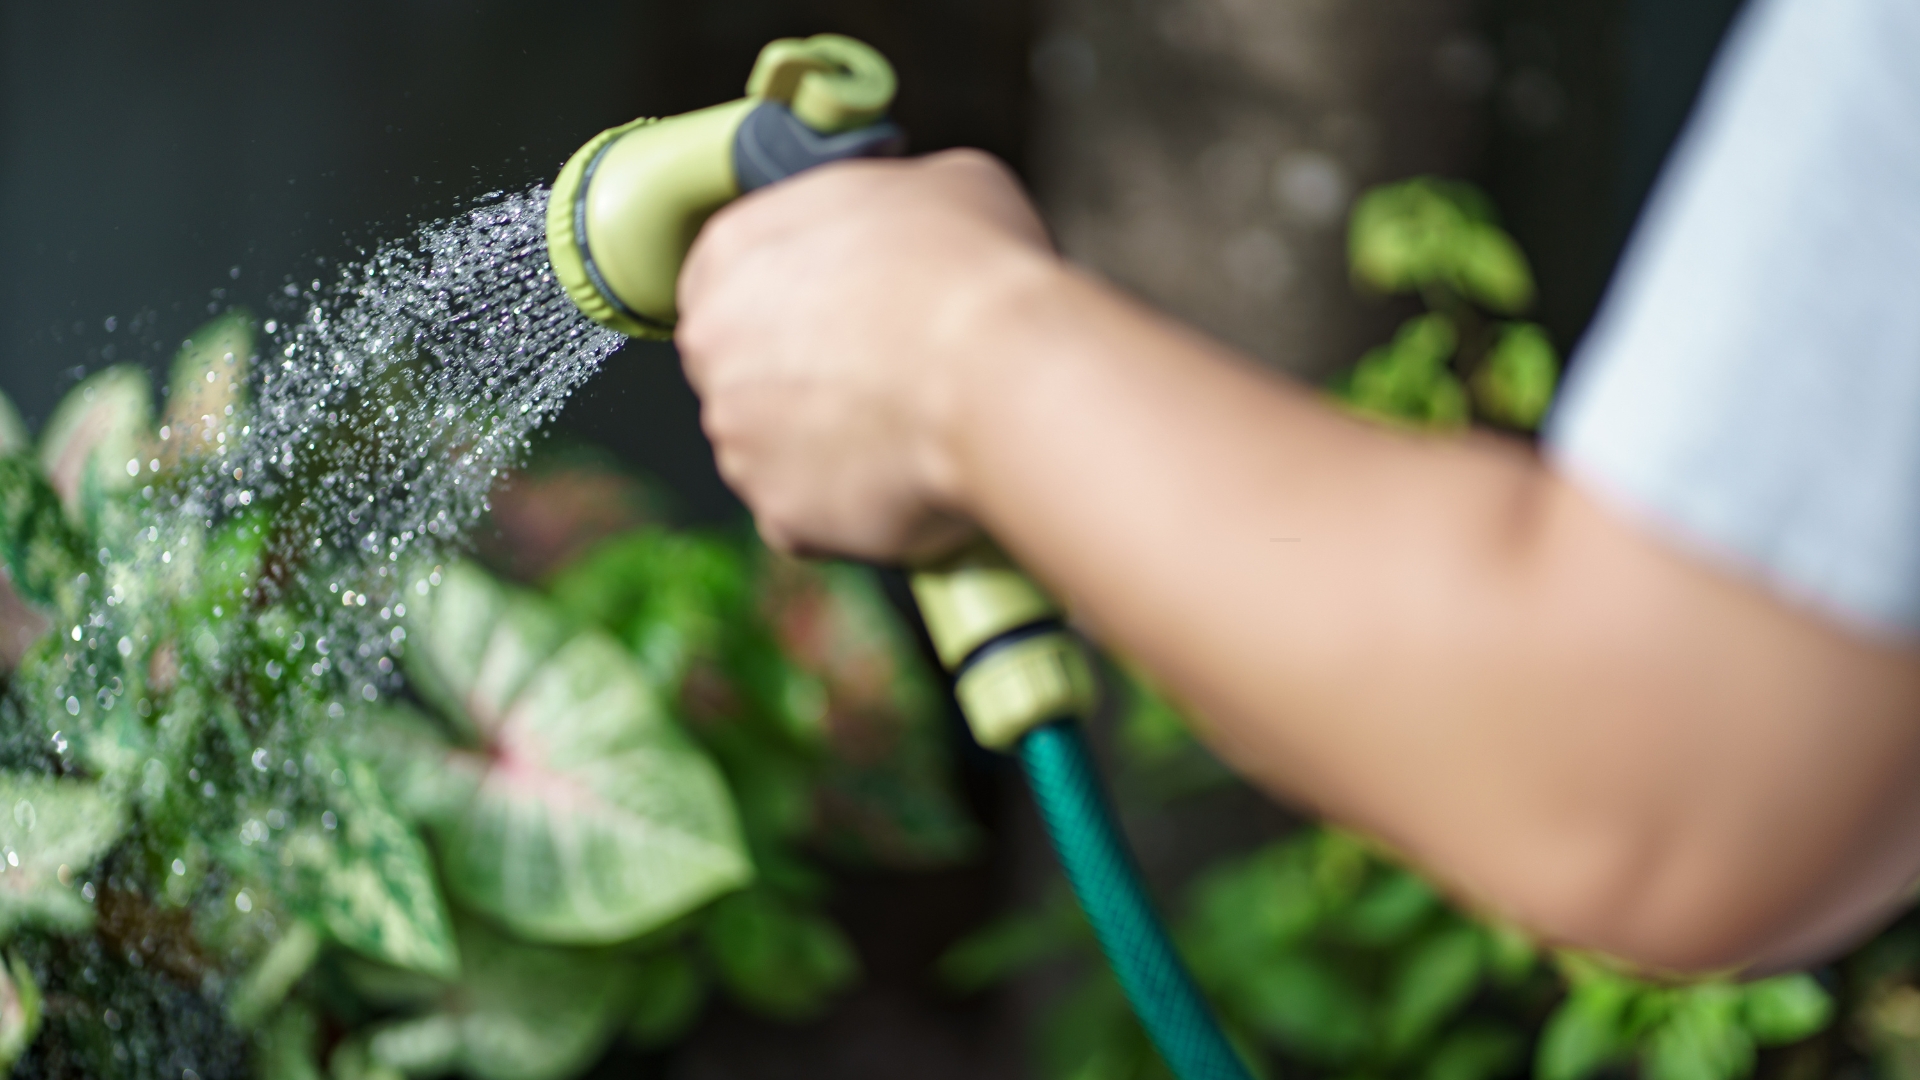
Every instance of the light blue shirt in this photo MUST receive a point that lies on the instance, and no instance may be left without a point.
(1751, 385)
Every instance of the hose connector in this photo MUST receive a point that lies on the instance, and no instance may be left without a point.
(1015, 664)
(626, 206)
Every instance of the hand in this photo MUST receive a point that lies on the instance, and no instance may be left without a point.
(826, 323)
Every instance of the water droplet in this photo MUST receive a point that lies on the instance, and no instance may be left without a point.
(243, 901)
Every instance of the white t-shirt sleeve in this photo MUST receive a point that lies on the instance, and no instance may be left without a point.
(1751, 385)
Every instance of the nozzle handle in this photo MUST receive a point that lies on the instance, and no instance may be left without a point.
(773, 144)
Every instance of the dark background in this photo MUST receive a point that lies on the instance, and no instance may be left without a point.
(162, 162)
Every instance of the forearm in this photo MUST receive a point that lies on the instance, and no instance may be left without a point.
(1439, 640)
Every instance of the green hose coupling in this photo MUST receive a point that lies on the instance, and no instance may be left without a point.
(1015, 663)
(626, 206)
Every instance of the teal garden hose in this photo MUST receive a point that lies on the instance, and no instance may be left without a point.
(623, 213)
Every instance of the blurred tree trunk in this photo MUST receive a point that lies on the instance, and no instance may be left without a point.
(1204, 153)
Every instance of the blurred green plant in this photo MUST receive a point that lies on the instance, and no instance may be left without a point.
(1324, 955)
(1466, 357)
(602, 800)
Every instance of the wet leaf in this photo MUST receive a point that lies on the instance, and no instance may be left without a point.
(207, 388)
(51, 833)
(596, 819)
(19, 1011)
(265, 985)
(96, 432)
(372, 883)
(43, 551)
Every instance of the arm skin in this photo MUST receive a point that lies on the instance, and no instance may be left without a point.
(1437, 640)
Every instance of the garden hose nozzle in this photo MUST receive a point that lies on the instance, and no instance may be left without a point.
(626, 207)
(623, 213)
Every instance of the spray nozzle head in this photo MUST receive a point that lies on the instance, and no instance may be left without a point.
(830, 83)
(628, 204)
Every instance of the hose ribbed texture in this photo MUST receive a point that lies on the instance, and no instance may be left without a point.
(1067, 791)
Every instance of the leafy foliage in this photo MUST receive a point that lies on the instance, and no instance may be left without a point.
(1439, 239)
(549, 818)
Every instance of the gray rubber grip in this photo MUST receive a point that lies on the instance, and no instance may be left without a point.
(772, 144)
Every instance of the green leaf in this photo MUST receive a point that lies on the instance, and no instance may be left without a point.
(96, 432)
(1432, 982)
(1785, 1009)
(1408, 379)
(19, 1011)
(207, 389)
(1588, 1031)
(596, 820)
(1013, 943)
(43, 551)
(265, 985)
(776, 959)
(1702, 1039)
(670, 596)
(1476, 1052)
(1247, 910)
(475, 644)
(1391, 907)
(1516, 381)
(287, 1047)
(530, 1013)
(372, 882)
(427, 1044)
(669, 992)
(1421, 233)
(56, 829)
(1308, 1006)
(1488, 268)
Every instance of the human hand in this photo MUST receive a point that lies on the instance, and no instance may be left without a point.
(827, 323)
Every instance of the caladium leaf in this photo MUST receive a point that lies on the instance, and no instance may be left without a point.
(96, 434)
(476, 644)
(370, 881)
(519, 1012)
(206, 390)
(596, 820)
(51, 831)
(19, 1011)
(42, 550)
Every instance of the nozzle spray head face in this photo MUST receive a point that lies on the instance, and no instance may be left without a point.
(628, 204)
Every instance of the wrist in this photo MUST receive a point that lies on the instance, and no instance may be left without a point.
(981, 341)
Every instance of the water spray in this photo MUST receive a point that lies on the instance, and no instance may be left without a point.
(624, 211)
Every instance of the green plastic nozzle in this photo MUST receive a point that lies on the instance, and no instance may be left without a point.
(626, 207)
(623, 213)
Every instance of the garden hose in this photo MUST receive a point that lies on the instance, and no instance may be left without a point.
(623, 213)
